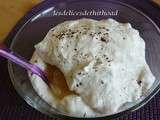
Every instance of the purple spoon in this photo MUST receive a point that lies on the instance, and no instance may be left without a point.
(19, 60)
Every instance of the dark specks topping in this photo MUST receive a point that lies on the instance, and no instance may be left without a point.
(71, 36)
(102, 39)
(68, 33)
(109, 60)
(102, 82)
(104, 55)
(139, 82)
(86, 28)
(99, 32)
(107, 29)
(105, 34)
(77, 85)
(101, 27)
(73, 32)
(80, 83)
(90, 34)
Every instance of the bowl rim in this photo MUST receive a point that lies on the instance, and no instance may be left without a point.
(40, 7)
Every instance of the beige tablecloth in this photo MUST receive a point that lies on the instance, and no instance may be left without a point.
(10, 12)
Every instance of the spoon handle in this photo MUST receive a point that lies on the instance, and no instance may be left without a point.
(19, 60)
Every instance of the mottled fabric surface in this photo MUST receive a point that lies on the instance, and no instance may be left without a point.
(13, 107)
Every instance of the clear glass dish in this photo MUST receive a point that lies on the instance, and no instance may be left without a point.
(34, 30)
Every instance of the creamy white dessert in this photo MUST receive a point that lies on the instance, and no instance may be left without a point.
(103, 63)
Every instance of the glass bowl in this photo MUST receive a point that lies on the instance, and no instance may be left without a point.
(43, 17)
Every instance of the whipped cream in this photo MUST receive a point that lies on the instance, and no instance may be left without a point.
(103, 63)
